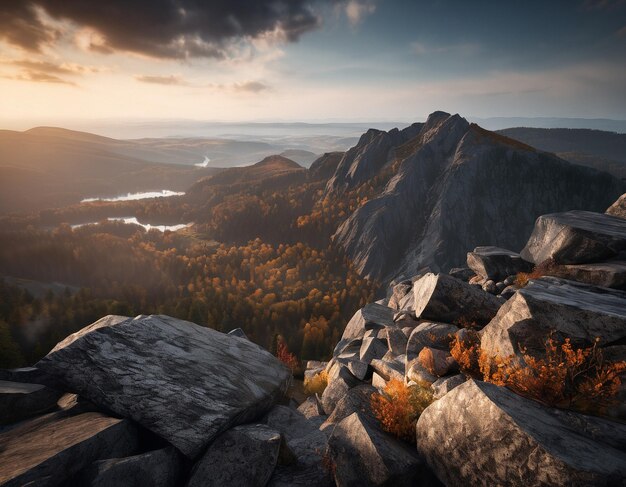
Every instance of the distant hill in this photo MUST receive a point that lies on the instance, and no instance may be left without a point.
(50, 167)
(303, 157)
(594, 148)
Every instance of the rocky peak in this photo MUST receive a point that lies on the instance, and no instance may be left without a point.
(459, 186)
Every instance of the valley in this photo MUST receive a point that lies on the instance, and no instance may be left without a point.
(276, 248)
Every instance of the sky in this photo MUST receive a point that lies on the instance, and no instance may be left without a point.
(299, 60)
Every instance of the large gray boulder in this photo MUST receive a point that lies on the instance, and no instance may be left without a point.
(427, 334)
(363, 455)
(604, 274)
(575, 237)
(340, 381)
(51, 449)
(181, 381)
(156, 468)
(371, 316)
(496, 263)
(244, 455)
(443, 298)
(308, 446)
(482, 434)
(19, 400)
(569, 309)
(356, 400)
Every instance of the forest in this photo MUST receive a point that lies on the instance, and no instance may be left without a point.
(261, 259)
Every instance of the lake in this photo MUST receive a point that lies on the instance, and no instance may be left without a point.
(132, 220)
(164, 193)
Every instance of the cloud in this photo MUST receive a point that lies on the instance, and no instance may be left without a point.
(38, 77)
(250, 87)
(54, 68)
(156, 28)
(357, 10)
(46, 71)
(253, 87)
(161, 80)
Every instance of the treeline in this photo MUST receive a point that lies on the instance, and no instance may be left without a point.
(304, 294)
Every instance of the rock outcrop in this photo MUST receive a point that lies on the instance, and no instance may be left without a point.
(50, 450)
(443, 298)
(458, 186)
(19, 400)
(482, 434)
(183, 382)
(575, 237)
(565, 309)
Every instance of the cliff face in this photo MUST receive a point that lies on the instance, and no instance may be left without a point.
(459, 186)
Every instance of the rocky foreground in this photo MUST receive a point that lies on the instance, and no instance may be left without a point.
(157, 401)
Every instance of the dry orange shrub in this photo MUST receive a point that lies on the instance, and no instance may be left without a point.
(286, 357)
(466, 352)
(316, 384)
(569, 378)
(399, 406)
(547, 267)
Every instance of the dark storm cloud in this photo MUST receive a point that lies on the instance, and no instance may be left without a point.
(158, 28)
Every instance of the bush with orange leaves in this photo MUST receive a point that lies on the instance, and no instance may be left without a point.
(285, 356)
(565, 377)
(466, 351)
(399, 406)
(546, 268)
(316, 384)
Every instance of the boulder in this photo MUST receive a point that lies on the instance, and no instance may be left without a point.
(444, 385)
(396, 340)
(358, 369)
(508, 292)
(437, 362)
(244, 455)
(462, 273)
(575, 237)
(495, 263)
(569, 309)
(618, 208)
(605, 274)
(444, 298)
(181, 381)
(417, 373)
(363, 455)
(378, 381)
(157, 468)
(372, 348)
(19, 400)
(388, 369)
(371, 316)
(340, 380)
(357, 400)
(427, 334)
(311, 407)
(482, 434)
(307, 445)
(51, 449)
(399, 291)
